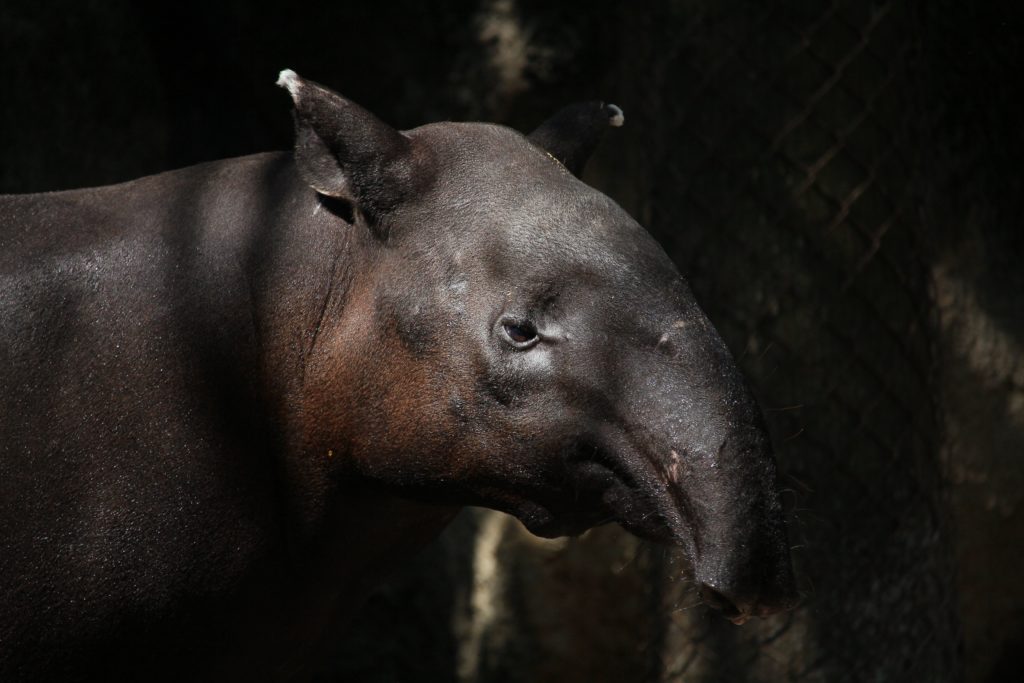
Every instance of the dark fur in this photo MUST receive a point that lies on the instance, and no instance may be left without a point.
(229, 404)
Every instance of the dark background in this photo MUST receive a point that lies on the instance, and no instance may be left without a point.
(840, 182)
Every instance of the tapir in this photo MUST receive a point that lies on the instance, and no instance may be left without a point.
(233, 396)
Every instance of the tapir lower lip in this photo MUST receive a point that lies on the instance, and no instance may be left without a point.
(590, 461)
(595, 475)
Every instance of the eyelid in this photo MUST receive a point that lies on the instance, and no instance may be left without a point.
(527, 328)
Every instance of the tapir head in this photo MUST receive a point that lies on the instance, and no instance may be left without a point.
(513, 339)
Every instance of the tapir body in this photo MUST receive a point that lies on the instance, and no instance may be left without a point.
(233, 396)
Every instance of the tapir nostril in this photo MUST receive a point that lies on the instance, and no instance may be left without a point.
(739, 610)
(721, 602)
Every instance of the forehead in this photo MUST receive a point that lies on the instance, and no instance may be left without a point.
(499, 192)
(485, 152)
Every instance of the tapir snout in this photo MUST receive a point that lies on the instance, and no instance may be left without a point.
(743, 565)
(741, 555)
(692, 459)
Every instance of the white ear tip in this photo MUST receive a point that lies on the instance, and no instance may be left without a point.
(617, 118)
(290, 81)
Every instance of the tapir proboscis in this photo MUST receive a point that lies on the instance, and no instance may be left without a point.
(232, 396)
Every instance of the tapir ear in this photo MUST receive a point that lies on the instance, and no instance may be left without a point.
(571, 135)
(344, 151)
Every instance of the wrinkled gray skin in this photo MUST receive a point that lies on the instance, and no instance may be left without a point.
(233, 396)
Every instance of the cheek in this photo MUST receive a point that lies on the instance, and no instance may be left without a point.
(515, 378)
(538, 364)
(415, 430)
(411, 321)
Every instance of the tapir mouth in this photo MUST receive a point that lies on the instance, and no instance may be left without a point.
(629, 488)
(582, 501)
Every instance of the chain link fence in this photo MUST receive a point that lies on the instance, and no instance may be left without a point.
(790, 195)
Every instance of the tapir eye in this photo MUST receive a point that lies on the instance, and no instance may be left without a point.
(522, 334)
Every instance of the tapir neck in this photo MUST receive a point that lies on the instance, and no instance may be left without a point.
(289, 257)
(289, 260)
(301, 263)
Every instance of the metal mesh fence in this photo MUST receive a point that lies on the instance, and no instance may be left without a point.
(789, 195)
